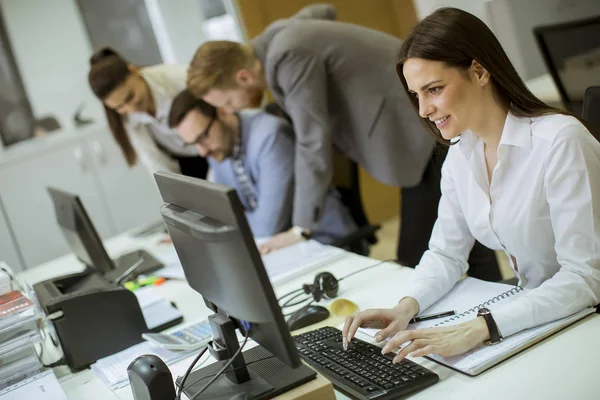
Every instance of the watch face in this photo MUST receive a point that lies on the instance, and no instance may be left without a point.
(483, 311)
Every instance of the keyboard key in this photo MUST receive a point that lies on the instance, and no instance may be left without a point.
(362, 366)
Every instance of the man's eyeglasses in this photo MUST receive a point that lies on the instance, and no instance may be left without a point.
(202, 136)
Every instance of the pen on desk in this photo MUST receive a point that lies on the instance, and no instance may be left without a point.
(432, 316)
(129, 271)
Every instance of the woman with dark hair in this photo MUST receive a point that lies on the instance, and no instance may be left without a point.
(520, 177)
(137, 103)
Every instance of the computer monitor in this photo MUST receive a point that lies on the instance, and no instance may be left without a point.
(85, 243)
(220, 259)
(79, 231)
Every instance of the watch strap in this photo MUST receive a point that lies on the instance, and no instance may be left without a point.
(300, 232)
(495, 336)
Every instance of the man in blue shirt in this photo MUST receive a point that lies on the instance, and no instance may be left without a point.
(253, 152)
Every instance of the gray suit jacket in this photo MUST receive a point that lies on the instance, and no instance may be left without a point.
(338, 84)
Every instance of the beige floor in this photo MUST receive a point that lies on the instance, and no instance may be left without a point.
(386, 247)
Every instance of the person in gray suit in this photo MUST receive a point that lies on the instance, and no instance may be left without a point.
(253, 152)
(339, 86)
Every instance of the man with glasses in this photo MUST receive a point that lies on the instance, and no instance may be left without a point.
(253, 151)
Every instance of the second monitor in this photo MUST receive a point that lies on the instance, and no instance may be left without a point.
(219, 257)
(85, 243)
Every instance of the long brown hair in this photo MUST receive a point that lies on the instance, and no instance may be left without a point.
(456, 38)
(108, 70)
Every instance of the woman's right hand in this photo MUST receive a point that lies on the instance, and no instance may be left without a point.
(389, 320)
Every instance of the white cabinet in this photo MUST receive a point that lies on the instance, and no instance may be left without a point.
(27, 204)
(8, 250)
(130, 194)
(85, 162)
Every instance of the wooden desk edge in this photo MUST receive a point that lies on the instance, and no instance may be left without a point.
(317, 389)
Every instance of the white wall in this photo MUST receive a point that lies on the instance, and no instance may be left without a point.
(180, 28)
(52, 52)
(426, 7)
(183, 26)
(52, 49)
(513, 20)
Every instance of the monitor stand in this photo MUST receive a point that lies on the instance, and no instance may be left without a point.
(256, 371)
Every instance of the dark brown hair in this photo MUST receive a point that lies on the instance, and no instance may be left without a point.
(183, 103)
(456, 38)
(108, 70)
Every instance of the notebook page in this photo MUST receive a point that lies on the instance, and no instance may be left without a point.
(482, 357)
(465, 295)
(468, 294)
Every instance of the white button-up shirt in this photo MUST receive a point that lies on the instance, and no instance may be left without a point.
(145, 131)
(542, 209)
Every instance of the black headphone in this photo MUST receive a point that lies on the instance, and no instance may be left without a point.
(325, 286)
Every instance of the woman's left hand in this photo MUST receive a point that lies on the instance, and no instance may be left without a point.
(446, 342)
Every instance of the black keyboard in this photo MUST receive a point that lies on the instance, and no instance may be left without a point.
(361, 372)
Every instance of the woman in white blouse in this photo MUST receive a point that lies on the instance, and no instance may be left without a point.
(137, 103)
(520, 177)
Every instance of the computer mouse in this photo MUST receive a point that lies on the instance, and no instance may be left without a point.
(306, 316)
(343, 307)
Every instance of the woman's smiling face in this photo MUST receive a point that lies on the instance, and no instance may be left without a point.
(446, 95)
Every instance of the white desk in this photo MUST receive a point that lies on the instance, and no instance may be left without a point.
(562, 367)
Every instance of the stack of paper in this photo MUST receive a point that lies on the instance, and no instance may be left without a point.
(41, 386)
(19, 333)
(295, 260)
(156, 309)
(281, 265)
(112, 370)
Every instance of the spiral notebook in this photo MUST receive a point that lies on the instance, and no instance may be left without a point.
(466, 298)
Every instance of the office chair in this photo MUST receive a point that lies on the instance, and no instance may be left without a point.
(591, 109)
(591, 105)
(346, 181)
(571, 52)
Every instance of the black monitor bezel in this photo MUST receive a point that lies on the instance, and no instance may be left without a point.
(230, 211)
(98, 257)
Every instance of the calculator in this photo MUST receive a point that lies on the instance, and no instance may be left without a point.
(189, 336)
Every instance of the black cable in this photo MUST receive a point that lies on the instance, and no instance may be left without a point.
(300, 291)
(53, 339)
(237, 353)
(42, 330)
(61, 361)
(366, 268)
(10, 275)
(304, 300)
(41, 354)
(235, 369)
(287, 303)
(289, 294)
(187, 373)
